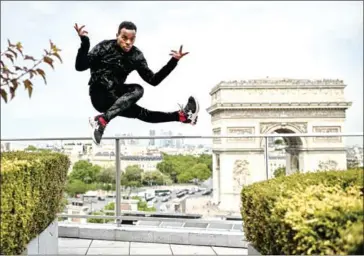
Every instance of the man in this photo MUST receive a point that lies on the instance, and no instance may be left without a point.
(110, 62)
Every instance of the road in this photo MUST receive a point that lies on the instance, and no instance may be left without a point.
(158, 204)
(96, 205)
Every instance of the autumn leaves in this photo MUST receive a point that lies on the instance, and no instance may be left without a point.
(13, 75)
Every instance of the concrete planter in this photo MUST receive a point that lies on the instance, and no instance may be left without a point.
(46, 243)
(145, 234)
(252, 250)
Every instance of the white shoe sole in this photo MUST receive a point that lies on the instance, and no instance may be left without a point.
(195, 115)
(92, 125)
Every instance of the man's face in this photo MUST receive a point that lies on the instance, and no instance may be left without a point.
(126, 38)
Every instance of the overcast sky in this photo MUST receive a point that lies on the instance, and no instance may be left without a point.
(226, 40)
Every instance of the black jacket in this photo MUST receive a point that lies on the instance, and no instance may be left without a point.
(110, 65)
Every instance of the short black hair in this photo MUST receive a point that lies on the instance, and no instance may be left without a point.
(127, 25)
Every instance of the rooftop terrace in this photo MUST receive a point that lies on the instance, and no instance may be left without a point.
(97, 247)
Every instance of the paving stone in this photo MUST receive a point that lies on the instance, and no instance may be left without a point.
(108, 244)
(72, 251)
(74, 243)
(191, 250)
(108, 251)
(230, 251)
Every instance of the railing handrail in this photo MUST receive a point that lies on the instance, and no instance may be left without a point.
(357, 134)
(118, 215)
(149, 218)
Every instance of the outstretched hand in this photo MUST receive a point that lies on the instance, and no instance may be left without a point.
(178, 55)
(80, 30)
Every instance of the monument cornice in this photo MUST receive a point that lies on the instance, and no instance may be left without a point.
(324, 149)
(237, 150)
(280, 84)
(279, 105)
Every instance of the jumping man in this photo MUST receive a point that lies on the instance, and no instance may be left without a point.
(110, 63)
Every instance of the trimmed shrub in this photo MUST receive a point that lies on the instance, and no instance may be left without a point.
(353, 239)
(32, 186)
(304, 213)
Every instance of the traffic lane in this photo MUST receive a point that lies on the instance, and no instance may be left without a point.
(159, 202)
(93, 204)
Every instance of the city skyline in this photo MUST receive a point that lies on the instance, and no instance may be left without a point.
(227, 41)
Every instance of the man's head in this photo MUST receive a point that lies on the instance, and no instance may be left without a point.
(126, 35)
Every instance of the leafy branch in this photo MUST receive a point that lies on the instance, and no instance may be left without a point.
(12, 75)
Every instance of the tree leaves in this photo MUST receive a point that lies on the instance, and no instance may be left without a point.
(14, 53)
(57, 55)
(4, 95)
(41, 72)
(12, 92)
(13, 75)
(55, 51)
(29, 86)
(19, 47)
(27, 57)
(10, 44)
(84, 171)
(32, 73)
(11, 57)
(48, 60)
(13, 88)
(186, 168)
(132, 176)
(15, 83)
(54, 47)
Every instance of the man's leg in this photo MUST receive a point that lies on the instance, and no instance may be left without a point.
(125, 106)
(123, 97)
(129, 95)
(188, 114)
(149, 116)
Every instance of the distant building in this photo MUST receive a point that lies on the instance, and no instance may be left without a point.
(152, 141)
(78, 208)
(147, 163)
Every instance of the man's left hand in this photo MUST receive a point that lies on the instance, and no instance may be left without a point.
(178, 55)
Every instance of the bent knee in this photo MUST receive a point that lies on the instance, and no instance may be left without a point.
(138, 91)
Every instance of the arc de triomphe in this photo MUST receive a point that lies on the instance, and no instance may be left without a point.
(273, 106)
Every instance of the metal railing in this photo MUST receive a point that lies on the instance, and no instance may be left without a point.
(118, 215)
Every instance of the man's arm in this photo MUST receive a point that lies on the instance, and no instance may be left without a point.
(82, 62)
(85, 59)
(155, 78)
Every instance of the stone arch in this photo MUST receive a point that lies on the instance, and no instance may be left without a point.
(284, 129)
(294, 145)
(264, 106)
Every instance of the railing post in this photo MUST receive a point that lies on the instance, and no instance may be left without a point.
(266, 155)
(118, 177)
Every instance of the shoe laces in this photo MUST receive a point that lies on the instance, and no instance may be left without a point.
(182, 108)
(188, 114)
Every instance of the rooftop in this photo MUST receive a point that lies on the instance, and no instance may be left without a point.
(289, 81)
(92, 247)
(280, 82)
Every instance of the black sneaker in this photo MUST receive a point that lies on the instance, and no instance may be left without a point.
(98, 124)
(189, 113)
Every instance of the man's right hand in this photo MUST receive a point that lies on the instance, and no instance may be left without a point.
(80, 30)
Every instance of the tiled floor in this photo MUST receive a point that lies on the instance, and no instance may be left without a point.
(98, 247)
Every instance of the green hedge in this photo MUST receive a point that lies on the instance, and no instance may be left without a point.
(312, 213)
(32, 186)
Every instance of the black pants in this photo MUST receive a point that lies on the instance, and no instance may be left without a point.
(122, 102)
